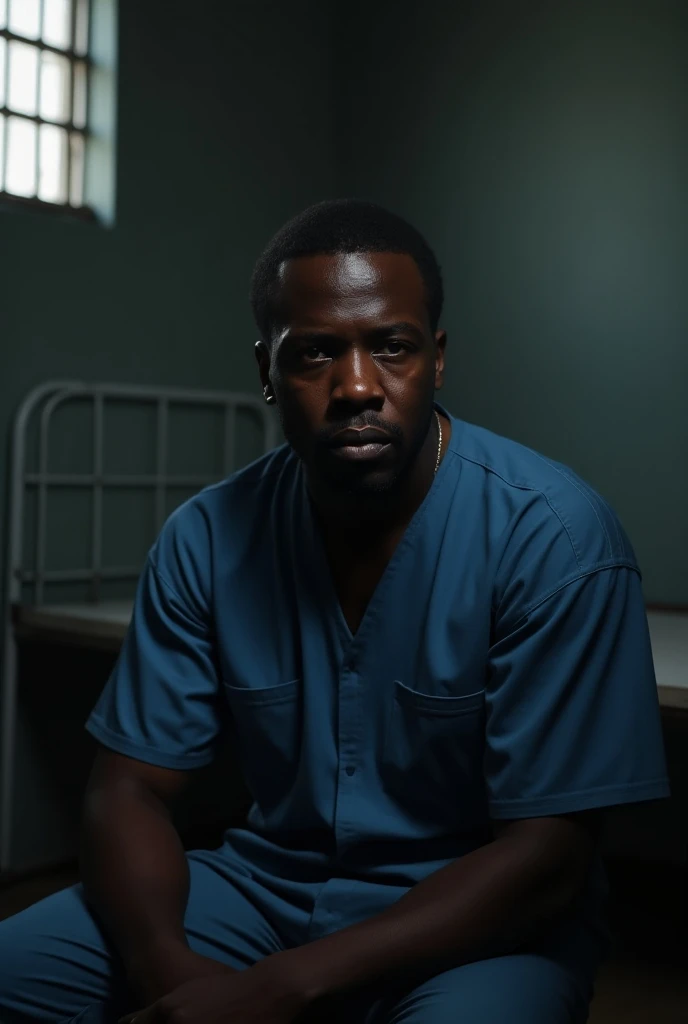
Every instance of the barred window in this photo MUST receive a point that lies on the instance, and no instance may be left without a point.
(44, 79)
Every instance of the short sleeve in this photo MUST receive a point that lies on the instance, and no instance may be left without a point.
(161, 703)
(573, 718)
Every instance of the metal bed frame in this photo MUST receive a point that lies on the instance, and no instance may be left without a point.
(98, 623)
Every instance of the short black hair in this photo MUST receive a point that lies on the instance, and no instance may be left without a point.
(342, 226)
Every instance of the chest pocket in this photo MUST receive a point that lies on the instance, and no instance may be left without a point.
(266, 727)
(432, 760)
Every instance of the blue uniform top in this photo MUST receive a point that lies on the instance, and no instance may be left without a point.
(502, 669)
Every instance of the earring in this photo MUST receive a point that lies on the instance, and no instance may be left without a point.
(270, 399)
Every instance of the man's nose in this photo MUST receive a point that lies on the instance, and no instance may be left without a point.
(357, 380)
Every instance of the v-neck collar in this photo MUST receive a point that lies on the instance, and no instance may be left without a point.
(322, 565)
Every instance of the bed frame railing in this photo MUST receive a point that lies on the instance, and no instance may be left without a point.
(37, 411)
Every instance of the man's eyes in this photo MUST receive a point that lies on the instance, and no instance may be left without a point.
(394, 347)
(315, 353)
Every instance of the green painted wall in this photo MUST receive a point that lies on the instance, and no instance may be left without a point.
(543, 148)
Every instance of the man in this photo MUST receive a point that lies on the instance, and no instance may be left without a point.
(433, 646)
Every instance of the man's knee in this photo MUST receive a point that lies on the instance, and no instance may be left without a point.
(19, 963)
(54, 962)
(511, 990)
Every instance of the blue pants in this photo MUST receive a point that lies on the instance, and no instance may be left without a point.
(57, 965)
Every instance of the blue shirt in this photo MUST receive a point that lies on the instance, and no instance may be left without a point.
(502, 669)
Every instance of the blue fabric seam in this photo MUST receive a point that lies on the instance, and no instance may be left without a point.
(80, 1015)
(123, 745)
(531, 487)
(538, 490)
(580, 491)
(523, 487)
(163, 579)
(600, 567)
(544, 802)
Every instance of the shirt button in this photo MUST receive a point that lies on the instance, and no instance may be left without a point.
(350, 770)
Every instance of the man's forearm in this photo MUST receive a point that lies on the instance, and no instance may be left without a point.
(485, 904)
(134, 872)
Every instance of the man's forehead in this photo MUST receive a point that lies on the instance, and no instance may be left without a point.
(372, 277)
(359, 271)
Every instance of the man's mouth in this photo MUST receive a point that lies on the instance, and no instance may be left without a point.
(360, 445)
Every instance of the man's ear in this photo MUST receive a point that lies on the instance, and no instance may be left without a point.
(441, 342)
(262, 353)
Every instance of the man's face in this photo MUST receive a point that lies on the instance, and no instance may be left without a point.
(354, 366)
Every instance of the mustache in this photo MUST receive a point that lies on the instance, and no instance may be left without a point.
(366, 419)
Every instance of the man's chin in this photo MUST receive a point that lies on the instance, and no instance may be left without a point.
(360, 482)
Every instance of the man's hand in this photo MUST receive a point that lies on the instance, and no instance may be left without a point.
(164, 972)
(270, 992)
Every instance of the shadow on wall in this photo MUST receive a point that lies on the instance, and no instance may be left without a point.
(542, 148)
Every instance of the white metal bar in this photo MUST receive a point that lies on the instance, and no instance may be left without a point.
(97, 511)
(117, 480)
(188, 396)
(41, 518)
(82, 575)
(8, 682)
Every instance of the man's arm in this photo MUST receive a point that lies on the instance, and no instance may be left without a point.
(487, 903)
(135, 872)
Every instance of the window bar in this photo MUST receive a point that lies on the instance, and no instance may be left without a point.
(97, 522)
(35, 119)
(72, 46)
(230, 423)
(39, 69)
(5, 123)
(161, 462)
(82, 25)
(58, 50)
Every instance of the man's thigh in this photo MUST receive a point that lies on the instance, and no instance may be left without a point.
(57, 964)
(551, 983)
(523, 988)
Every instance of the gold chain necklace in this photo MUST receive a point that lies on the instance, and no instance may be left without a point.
(439, 444)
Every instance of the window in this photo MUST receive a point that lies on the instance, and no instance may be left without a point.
(44, 81)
